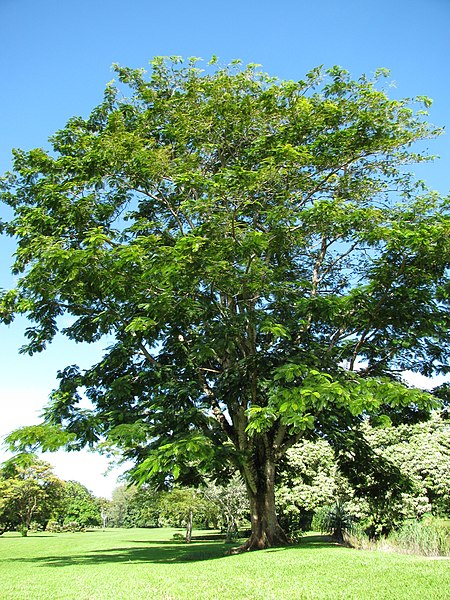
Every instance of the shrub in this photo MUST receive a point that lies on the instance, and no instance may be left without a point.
(335, 519)
(55, 527)
(296, 536)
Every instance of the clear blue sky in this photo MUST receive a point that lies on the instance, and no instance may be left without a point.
(55, 59)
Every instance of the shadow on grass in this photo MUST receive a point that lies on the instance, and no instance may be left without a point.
(315, 540)
(163, 551)
(310, 541)
(151, 552)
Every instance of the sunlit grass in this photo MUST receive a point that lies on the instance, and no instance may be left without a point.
(146, 563)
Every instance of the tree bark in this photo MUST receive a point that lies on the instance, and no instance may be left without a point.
(266, 531)
(189, 527)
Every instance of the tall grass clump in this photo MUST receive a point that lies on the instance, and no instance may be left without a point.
(429, 537)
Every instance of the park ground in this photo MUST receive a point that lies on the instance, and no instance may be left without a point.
(115, 564)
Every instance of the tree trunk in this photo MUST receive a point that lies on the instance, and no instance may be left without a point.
(266, 531)
(104, 517)
(189, 527)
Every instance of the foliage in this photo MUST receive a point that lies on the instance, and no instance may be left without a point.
(221, 506)
(28, 494)
(398, 472)
(134, 507)
(257, 250)
(388, 475)
(380, 489)
(429, 537)
(336, 519)
(120, 513)
(69, 526)
(422, 452)
(308, 480)
(182, 506)
(78, 505)
(231, 504)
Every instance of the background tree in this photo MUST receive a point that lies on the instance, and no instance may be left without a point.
(308, 479)
(259, 252)
(120, 512)
(28, 494)
(388, 475)
(182, 506)
(134, 507)
(78, 505)
(421, 452)
(231, 503)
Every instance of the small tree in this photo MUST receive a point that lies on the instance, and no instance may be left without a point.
(232, 504)
(30, 493)
(181, 505)
(335, 519)
(104, 506)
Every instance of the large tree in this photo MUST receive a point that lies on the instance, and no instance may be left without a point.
(256, 248)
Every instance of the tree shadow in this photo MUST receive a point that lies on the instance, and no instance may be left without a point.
(315, 540)
(309, 541)
(152, 552)
(162, 552)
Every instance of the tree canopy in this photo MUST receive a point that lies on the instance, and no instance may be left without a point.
(262, 257)
(29, 493)
(78, 505)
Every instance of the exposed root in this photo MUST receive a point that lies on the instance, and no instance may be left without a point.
(263, 542)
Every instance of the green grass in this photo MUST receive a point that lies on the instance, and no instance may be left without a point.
(135, 564)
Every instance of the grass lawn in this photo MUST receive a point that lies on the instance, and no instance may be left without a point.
(132, 564)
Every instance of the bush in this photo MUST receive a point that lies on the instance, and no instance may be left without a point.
(55, 527)
(296, 536)
(335, 519)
